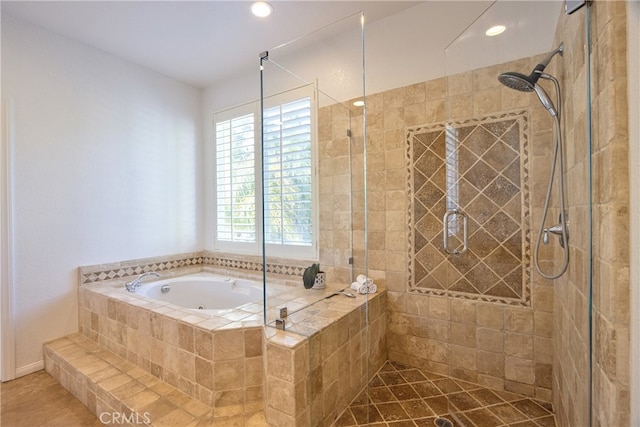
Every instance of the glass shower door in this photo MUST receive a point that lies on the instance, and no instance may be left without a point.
(479, 181)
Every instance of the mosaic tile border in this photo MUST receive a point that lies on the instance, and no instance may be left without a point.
(523, 117)
(283, 269)
(121, 270)
(98, 273)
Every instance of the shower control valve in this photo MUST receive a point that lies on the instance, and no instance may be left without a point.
(557, 230)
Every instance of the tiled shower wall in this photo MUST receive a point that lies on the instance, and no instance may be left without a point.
(610, 188)
(610, 214)
(477, 172)
(610, 182)
(571, 379)
(493, 343)
(341, 192)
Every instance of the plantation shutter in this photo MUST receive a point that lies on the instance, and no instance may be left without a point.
(235, 179)
(287, 173)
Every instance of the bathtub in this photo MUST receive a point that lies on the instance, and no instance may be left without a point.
(209, 292)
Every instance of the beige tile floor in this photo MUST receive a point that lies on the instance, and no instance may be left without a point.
(39, 400)
(399, 396)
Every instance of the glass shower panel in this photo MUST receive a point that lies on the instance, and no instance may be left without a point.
(479, 183)
(314, 196)
(315, 228)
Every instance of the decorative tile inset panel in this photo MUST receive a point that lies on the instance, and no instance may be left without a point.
(478, 170)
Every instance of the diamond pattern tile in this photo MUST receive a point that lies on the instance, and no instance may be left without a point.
(400, 395)
(479, 167)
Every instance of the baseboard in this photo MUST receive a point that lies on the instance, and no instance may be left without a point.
(29, 369)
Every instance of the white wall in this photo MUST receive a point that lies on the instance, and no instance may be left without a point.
(107, 167)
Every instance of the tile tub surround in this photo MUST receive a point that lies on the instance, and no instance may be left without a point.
(221, 359)
(214, 359)
(310, 381)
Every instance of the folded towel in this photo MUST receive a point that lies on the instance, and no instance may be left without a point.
(361, 279)
(355, 286)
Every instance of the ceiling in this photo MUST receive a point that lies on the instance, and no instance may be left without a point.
(197, 42)
(204, 43)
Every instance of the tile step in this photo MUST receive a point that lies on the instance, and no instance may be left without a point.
(117, 391)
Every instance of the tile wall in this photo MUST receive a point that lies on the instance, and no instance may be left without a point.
(571, 376)
(609, 374)
(341, 188)
(494, 344)
(610, 214)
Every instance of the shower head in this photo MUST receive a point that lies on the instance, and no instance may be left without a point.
(529, 83)
(517, 81)
(524, 83)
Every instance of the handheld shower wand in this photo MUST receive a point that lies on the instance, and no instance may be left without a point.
(544, 99)
(529, 83)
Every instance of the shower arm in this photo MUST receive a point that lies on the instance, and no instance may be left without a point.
(543, 64)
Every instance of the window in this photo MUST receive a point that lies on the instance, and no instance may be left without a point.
(290, 219)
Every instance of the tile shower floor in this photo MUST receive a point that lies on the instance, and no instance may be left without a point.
(401, 396)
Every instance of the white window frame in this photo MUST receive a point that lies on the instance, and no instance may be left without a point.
(255, 248)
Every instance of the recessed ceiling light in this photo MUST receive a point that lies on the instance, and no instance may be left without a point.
(261, 9)
(358, 103)
(495, 30)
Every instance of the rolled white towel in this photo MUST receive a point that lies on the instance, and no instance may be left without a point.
(361, 279)
(368, 281)
(355, 286)
(371, 289)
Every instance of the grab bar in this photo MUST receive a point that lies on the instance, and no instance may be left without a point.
(445, 231)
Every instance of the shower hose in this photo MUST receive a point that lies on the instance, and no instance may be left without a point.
(558, 157)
